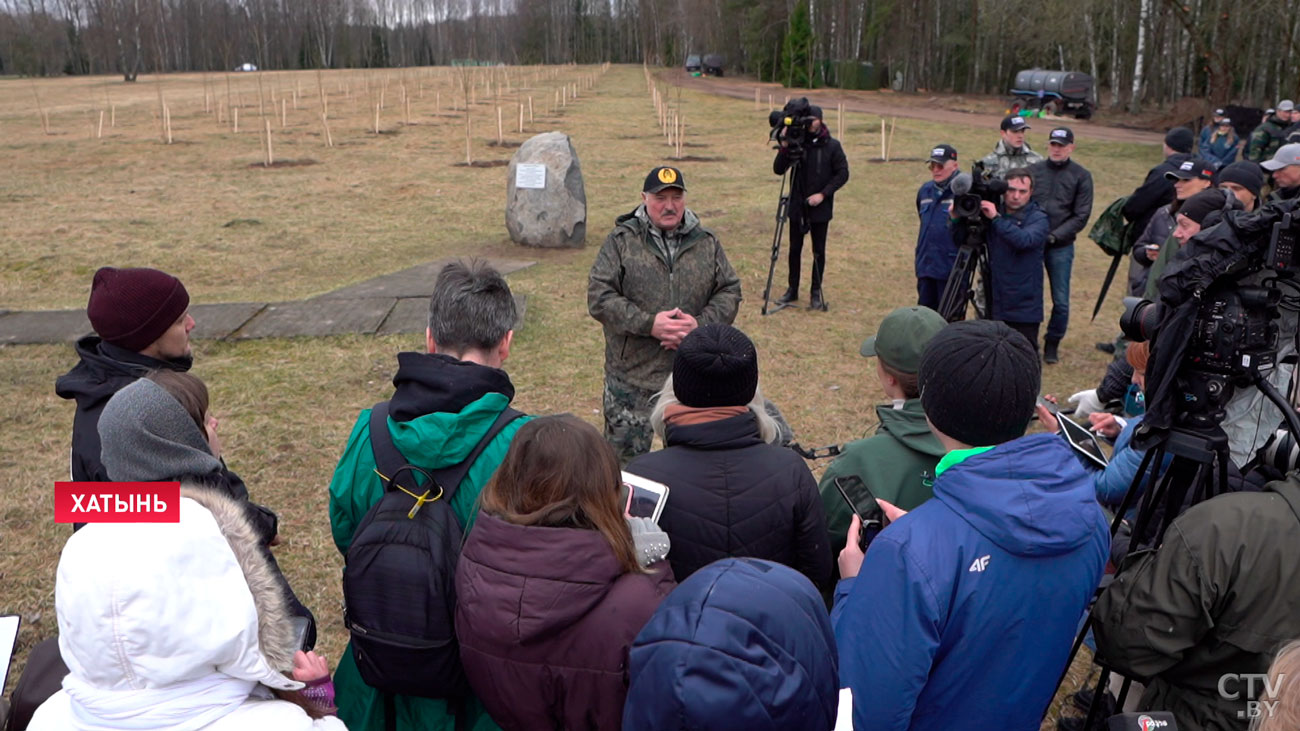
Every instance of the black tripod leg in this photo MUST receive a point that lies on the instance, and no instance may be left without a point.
(1097, 692)
(782, 215)
(1123, 694)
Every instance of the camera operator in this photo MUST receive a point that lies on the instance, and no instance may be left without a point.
(1244, 180)
(1207, 607)
(1016, 236)
(823, 169)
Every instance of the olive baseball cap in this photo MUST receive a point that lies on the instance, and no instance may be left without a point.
(663, 177)
(902, 337)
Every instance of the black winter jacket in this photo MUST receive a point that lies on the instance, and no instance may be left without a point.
(732, 494)
(1064, 191)
(1218, 597)
(1154, 192)
(824, 170)
(104, 370)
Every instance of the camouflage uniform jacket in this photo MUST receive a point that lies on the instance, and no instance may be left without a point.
(1003, 160)
(1265, 140)
(634, 278)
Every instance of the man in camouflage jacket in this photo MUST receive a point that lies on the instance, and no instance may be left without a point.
(1011, 151)
(658, 276)
(1271, 134)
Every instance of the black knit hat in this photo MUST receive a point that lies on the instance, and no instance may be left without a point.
(1201, 205)
(1180, 139)
(979, 382)
(716, 365)
(1244, 173)
(131, 308)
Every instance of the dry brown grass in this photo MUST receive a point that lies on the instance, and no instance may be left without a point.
(376, 204)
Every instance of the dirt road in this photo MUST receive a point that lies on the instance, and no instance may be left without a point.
(890, 104)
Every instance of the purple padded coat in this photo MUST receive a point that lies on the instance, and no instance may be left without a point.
(545, 617)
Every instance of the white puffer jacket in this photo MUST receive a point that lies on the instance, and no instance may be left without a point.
(175, 626)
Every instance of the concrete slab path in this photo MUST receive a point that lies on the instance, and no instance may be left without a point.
(385, 305)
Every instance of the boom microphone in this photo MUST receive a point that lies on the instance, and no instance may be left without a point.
(961, 184)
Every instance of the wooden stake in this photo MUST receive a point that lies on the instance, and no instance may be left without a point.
(234, 115)
(99, 135)
(329, 139)
(284, 115)
(468, 158)
(883, 156)
(269, 159)
(377, 108)
(530, 109)
(167, 122)
(890, 147)
(521, 119)
(500, 139)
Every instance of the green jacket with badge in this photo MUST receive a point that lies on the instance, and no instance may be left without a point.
(640, 272)
(1219, 597)
(896, 464)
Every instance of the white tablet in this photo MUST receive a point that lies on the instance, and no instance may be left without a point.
(646, 498)
(8, 641)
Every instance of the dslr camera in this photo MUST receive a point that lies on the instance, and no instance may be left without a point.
(792, 124)
(970, 189)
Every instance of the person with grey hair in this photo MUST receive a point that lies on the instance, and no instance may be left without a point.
(445, 406)
(733, 491)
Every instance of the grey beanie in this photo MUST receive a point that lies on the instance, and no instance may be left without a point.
(146, 435)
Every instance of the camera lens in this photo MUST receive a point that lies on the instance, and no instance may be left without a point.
(1139, 319)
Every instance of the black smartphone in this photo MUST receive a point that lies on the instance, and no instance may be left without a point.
(860, 500)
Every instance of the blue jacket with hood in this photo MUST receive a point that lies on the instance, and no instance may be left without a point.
(716, 657)
(965, 608)
(936, 250)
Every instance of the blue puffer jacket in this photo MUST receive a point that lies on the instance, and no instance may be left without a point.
(964, 609)
(714, 657)
(1016, 242)
(1113, 482)
(935, 248)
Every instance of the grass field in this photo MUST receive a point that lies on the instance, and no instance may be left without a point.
(375, 203)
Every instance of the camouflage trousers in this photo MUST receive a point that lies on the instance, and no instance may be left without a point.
(627, 418)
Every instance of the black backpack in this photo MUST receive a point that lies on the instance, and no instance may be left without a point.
(399, 576)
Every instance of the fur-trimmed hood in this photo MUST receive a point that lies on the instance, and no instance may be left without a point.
(170, 625)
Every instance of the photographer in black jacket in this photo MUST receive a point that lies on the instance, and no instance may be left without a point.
(823, 170)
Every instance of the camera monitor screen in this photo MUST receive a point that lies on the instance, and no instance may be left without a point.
(1083, 441)
(647, 497)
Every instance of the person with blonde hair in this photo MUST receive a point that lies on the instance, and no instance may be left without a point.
(732, 490)
(1283, 690)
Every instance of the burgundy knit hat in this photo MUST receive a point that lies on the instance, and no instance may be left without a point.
(131, 308)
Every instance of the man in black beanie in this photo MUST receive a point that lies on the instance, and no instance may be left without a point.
(142, 323)
(1013, 539)
(1244, 180)
(1156, 191)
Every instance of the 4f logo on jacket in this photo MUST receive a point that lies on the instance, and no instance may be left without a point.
(980, 563)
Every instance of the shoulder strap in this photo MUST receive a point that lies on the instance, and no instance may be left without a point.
(389, 461)
(449, 477)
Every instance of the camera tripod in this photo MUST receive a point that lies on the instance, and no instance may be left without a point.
(972, 258)
(783, 215)
(1197, 472)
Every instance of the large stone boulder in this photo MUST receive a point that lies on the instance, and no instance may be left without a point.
(553, 215)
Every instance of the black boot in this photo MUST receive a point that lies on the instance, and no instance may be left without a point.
(1050, 354)
(791, 295)
(815, 301)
